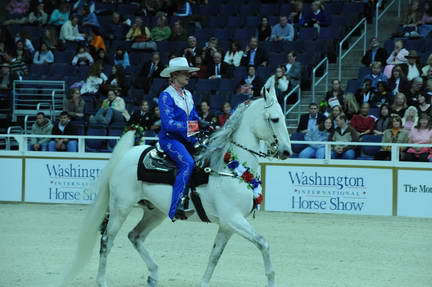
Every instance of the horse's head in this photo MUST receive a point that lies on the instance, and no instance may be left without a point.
(270, 125)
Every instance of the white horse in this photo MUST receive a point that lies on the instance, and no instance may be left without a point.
(226, 200)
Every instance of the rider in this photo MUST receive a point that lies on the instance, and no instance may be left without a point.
(180, 122)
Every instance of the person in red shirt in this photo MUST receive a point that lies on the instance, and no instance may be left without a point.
(363, 123)
(222, 118)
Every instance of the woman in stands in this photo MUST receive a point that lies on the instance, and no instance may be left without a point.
(112, 110)
(334, 97)
(82, 57)
(420, 134)
(350, 105)
(43, 56)
(394, 134)
(234, 55)
(74, 105)
(344, 133)
(264, 29)
(94, 80)
(222, 118)
(399, 105)
(21, 60)
(321, 134)
(398, 83)
(179, 124)
(410, 118)
(335, 112)
(121, 57)
(383, 121)
(117, 79)
(280, 82)
(424, 105)
(140, 36)
(398, 56)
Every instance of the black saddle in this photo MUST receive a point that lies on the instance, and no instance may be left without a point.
(155, 166)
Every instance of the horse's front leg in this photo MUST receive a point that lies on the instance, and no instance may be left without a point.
(241, 226)
(221, 241)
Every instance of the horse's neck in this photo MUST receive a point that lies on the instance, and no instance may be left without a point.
(246, 138)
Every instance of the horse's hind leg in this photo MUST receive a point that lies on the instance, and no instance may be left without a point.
(221, 241)
(150, 220)
(241, 226)
(116, 219)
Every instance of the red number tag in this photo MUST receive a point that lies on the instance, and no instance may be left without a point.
(193, 128)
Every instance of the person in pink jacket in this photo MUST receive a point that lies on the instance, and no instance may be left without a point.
(420, 134)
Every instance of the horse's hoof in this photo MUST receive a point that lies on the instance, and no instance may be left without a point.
(151, 282)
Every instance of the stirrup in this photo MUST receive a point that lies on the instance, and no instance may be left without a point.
(183, 213)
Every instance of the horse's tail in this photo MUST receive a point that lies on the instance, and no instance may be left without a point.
(96, 214)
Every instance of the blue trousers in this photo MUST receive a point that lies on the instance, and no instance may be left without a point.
(185, 166)
(71, 146)
(348, 154)
(311, 152)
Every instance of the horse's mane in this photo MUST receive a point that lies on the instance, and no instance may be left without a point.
(220, 141)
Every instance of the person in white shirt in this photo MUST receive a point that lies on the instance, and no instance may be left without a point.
(234, 55)
(82, 57)
(414, 69)
(70, 32)
(43, 55)
(95, 78)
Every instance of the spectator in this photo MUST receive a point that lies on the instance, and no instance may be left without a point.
(89, 18)
(42, 126)
(121, 57)
(192, 50)
(296, 14)
(412, 69)
(43, 56)
(282, 31)
(415, 90)
(117, 79)
(222, 118)
(205, 113)
(96, 41)
(399, 105)
(423, 105)
(420, 134)
(397, 57)
(410, 118)
(74, 105)
(409, 24)
(375, 53)
(428, 90)
(293, 69)
(244, 93)
(113, 109)
(344, 133)
(202, 73)
(350, 106)
(381, 95)
(142, 117)
(94, 80)
(394, 134)
(21, 59)
(155, 120)
(148, 72)
(82, 57)
(60, 16)
(210, 48)
(365, 93)
(398, 83)
(363, 123)
(253, 80)
(318, 18)
(6, 79)
(376, 75)
(219, 69)
(162, 31)
(425, 23)
(320, 134)
(25, 38)
(280, 83)
(80, 5)
(101, 56)
(140, 36)
(334, 97)
(310, 120)
(18, 7)
(426, 68)
(178, 32)
(253, 55)
(264, 29)
(183, 9)
(36, 17)
(383, 121)
(69, 31)
(117, 28)
(234, 55)
(63, 127)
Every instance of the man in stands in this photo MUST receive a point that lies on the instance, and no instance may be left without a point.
(148, 72)
(309, 121)
(252, 79)
(42, 126)
(219, 69)
(375, 53)
(117, 28)
(192, 50)
(282, 31)
(317, 18)
(63, 127)
(415, 90)
(69, 31)
(376, 75)
(205, 113)
(293, 69)
(254, 55)
(363, 123)
(142, 117)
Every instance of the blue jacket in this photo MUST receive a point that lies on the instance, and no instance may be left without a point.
(175, 112)
(316, 135)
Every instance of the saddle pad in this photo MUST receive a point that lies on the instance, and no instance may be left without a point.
(199, 177)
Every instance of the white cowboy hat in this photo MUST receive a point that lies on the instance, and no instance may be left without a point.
(177, 64)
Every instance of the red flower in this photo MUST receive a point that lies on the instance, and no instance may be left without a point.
(259, 199)
(247, 176)
(227, 157)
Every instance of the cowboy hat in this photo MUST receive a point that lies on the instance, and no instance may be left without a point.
(177, 64)
(412, 54)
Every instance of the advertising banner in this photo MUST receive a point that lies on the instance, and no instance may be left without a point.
(328, 189)
(11, 179)
(414, 193)
(61, 180)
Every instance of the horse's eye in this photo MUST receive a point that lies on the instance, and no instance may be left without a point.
(276, 120)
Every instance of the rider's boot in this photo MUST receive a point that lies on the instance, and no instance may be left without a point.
(183, 211)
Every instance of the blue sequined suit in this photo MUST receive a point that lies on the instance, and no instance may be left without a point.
(175, 112)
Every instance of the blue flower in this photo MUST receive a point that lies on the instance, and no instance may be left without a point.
(233, 164)
(255, 183)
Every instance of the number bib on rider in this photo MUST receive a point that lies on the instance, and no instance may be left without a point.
(192, 128)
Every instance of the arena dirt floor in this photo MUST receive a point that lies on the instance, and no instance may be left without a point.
(308, 250)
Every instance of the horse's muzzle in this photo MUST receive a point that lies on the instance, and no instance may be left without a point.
(284, 152)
